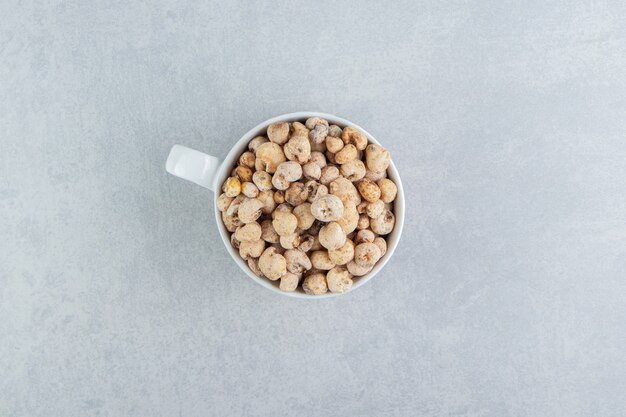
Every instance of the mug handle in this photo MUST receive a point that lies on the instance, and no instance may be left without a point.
(194, 166)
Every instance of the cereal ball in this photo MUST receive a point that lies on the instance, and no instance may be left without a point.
(232, 187)
(330, 156)
(249, 232)
(286, 207)
(362, 207)
(364, 236)
(298, 149)
(343, 255)
(353, 170)
(320, 260)
(350, 218)
(346, 154)
(316, 243)
(352, 136)
(316, 190)
(253, 264)
(315, 284)
(318, 158)
(345, 190)
(249, 190)
(286, 173)
(333, 144)
(268, 233)
(388, 190)
(339, 280)
(304, 216)
(329, 174)
(289, 282)
(383, 224)
(250, 210)
(279, 197)
(366, 254)
(306, 243)
(377, 158)
(297, 261)
(318, 147)
(314, 121)
(364, 222)
(243, 173)
(231, 221)
(267, 198)
(284, 223)
(272, 264)
(298, 129)
(375, 176)
(262, 180)
(290, 241)
(247, 159)
(256, 142)
(375, 209)
(382, 245)
(297, 194)
(252, 249)
(331, 236)
(334, 130)
(247, 249)
(233, 240)
(268, 157)
(357, 270)
(278, 132)
(311, 171)
(368, 190)
(318, 133)
(327, 208)
(233, 208)
(223, 201)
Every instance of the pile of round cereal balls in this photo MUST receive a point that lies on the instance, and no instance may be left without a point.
(310, 201)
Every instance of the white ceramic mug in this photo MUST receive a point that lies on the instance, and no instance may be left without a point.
(210, 172)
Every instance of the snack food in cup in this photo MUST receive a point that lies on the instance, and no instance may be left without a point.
(308, 205)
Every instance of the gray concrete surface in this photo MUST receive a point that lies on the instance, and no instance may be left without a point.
(507, 296)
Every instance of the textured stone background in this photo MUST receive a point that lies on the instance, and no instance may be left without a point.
(507, 296)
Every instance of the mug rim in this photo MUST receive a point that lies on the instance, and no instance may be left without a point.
(233, 155)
